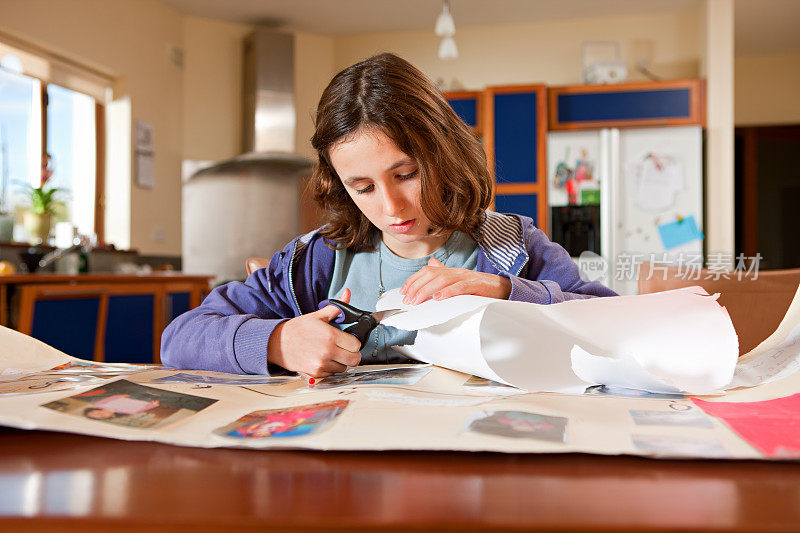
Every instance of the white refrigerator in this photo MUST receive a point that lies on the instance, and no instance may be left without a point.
(648, 183)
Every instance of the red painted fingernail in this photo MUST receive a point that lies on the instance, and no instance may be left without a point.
(311, 381)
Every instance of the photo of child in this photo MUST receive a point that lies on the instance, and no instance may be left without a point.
(475, 381)
(610, 390)
(390, 376)
(132, 405)
(520, 424)
(289, 422)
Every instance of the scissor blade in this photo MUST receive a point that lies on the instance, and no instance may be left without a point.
(380, 315)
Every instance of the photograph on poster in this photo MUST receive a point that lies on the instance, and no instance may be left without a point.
(124, 403)
(390, 376)
(520, 424)
(289, 422)
(680, 446)
(689, 418)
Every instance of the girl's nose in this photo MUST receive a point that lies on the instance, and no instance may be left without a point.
(393, 203)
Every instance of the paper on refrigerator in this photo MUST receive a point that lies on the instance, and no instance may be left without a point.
(674, 341)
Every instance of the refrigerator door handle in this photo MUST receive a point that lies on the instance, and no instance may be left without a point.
(606, 192)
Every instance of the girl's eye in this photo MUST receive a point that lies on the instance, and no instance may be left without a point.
(408, 176)
(366, 189)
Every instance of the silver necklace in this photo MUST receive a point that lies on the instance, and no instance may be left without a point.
(382, 289)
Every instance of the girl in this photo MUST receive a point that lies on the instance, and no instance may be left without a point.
(404, 188)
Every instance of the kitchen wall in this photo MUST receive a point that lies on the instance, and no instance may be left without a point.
(212, 88)
(129, 40)
(767, 90)
(547, 52)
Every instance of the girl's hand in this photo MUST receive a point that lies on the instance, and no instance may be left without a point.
(310, 345)
(439, 282)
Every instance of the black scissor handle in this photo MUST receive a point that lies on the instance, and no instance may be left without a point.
(363, 321)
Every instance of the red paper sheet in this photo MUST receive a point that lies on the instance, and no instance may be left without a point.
(771, 426)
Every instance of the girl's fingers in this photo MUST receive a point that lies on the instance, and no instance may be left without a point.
(347, 342)
(455, 289)
(418, 280)
(435, 286)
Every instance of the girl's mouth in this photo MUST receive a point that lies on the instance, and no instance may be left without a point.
(403, 227)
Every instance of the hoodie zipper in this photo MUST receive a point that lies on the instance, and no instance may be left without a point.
(291, 281)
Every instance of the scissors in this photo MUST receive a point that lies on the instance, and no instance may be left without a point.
(363, 322)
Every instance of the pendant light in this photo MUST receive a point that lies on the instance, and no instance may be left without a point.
(446, 28)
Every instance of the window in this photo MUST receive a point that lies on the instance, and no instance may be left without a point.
(71, 143)
(20, 137)
(48, 107)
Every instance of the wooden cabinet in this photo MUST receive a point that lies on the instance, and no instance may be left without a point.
(511, 120)
(469, 106)
(103, 317)
(623, 105)
(515, 130)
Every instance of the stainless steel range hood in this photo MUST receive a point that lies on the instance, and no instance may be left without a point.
(248, 206)
(268, 113)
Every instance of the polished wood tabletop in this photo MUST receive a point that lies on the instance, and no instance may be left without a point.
(62, 482)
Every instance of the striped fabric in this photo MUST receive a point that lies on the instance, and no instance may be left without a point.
(501, 239)
(302, 242)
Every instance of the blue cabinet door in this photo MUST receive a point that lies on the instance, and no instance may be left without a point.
(521, 204)
(515, 137)
(663, 103)
(178, 303)
(68, 324)
(516, 149)
(129, 329)
(467, 105)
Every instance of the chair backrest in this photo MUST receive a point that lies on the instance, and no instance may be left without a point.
(756, 302)
(254, 263)
(71, 318)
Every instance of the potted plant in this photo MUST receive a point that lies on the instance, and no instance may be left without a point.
(39, 218)
(6, 225)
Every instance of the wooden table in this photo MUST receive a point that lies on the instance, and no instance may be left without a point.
(63, 482)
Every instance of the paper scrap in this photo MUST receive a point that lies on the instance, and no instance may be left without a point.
(777, 363)
(669, 342)
(657, 181)
(679, 232)
(770, 426)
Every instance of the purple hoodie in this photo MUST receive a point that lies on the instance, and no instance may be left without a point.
(230, 330)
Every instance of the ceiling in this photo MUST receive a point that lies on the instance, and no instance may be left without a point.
(761, 27)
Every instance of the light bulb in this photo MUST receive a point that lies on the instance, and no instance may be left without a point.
(448, 48)
(445, 25)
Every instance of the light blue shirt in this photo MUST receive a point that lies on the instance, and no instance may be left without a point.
(363, 272)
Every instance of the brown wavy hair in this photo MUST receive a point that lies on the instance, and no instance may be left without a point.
(389, 94)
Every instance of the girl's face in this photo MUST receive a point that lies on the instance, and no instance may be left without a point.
(384, 183)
